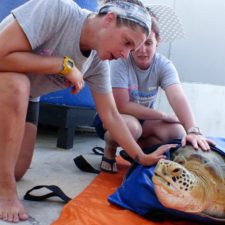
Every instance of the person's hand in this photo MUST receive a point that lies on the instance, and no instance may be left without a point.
(75, 79)
(197, 141)
(158, 154)
(170, 118)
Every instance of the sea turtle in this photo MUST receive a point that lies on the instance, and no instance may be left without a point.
(192, 181)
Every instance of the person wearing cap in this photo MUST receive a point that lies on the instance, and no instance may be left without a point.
(135, 83)
(46, 45)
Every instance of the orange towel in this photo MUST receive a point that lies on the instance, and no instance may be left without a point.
(91, 207)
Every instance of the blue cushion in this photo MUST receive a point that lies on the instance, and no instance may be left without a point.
(8, 5)
(64, 97)
(87, 4)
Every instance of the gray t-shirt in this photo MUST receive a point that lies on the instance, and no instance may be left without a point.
(143, 85)
(53, 28)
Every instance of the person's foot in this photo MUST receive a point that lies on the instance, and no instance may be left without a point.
(108, 165)
(11, 210)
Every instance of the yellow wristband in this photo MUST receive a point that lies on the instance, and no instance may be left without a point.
(67, 66)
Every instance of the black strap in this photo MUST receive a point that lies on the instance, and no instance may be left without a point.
(83, 165)
(55, 192)
(98, 150)
(125, 156)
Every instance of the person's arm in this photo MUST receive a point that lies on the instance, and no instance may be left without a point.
(180, 105)
(125, 106)
(16, 56)
(113, 122)
(183, 111)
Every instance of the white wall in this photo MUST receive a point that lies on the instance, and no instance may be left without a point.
(200, 60)
(200, 56)
(208, 104)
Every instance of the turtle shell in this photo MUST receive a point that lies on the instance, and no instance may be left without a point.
(212, 161)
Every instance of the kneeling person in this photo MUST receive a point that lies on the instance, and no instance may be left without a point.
(135, 83)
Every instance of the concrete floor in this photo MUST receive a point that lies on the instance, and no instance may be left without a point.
(52, 165)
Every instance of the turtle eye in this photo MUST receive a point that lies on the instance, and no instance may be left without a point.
(176, 170)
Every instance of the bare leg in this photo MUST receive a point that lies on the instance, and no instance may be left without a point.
(14, 89)
(26, 152)
(111, 146)
(155, 132)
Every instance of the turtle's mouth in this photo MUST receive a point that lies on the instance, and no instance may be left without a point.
(163, 182)
(162, 179)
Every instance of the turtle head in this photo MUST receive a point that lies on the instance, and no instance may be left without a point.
(175, 186)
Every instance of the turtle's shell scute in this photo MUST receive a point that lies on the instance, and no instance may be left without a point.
(212, 161)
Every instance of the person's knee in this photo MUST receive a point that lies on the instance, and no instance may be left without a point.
(162, 131)
(136, 130)
(15, 84)
(134, 127)
(15, 92)
(174, 131)
(20, 88)
(177, 131)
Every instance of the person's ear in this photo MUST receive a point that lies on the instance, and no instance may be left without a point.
(109, 18)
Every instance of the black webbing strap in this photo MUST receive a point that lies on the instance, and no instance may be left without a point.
(83, 165)
(55, 192)
(98, 150)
